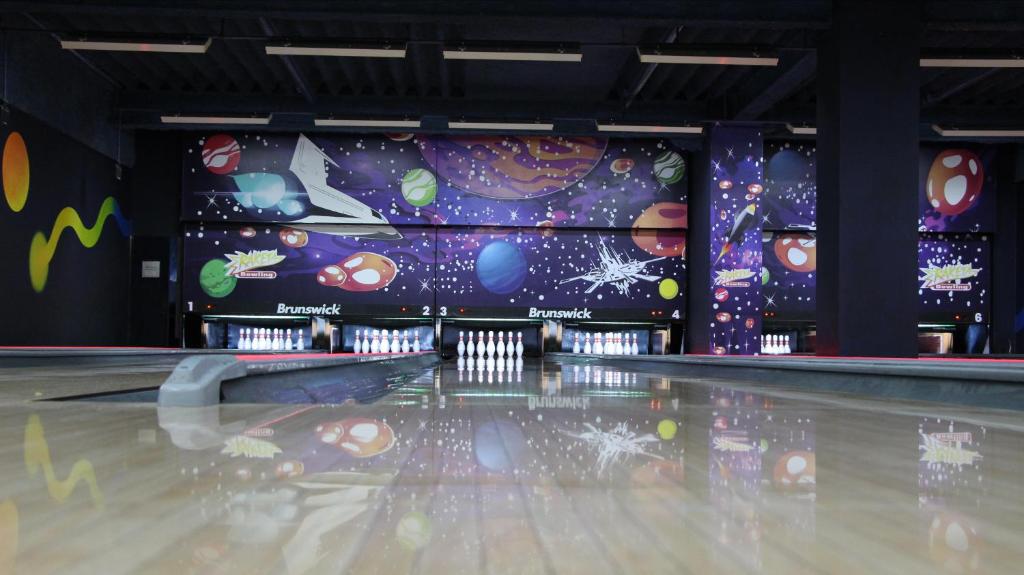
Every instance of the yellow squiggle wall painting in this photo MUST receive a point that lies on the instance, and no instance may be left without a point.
(43, 248)
(15, 171)
(37, 455)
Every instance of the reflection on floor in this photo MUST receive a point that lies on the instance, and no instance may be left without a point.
(546, 468)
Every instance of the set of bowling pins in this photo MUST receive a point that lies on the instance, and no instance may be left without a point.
(491, 366)
(490, 349)
(774, 344)
(269, 340)
(606, 344)
(384, 342)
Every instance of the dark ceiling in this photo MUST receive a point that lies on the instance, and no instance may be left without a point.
(237, 76)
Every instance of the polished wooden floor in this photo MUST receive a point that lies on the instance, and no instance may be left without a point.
(543, 468)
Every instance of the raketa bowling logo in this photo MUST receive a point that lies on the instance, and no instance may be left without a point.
(241, 264)
(948, 277)
(221, 154)
(734, 278)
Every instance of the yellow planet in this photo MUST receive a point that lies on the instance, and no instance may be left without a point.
(667, 429)
(668, 288)
(15, 171)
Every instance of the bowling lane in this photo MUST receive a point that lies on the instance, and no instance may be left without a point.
(553, 467)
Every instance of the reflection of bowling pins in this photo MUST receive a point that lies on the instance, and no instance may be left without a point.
(396, 345)
(461, 348)
(598, 346)
(461, 365)
(586, 374)
(490, 364)
(481, 348)
(634, 349)
(510, 364)
(470, 364)
(519, 369)
(405, 341)
(375, 344)
(357, 346)
(500, 347)
(480, 366)
(385, 343)
(586, 344)
(490, 344)
(576, 342)
(519, 347)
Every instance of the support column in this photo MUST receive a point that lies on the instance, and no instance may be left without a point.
(868, 141)
(725, 244)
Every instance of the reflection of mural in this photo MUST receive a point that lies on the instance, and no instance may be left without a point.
(735, 252)
(275, 269)
(530, 181)
(37, 458)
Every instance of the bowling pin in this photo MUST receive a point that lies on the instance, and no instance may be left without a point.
(357, 346)
(490, 344)
(500, 347)
(366, 341)
(519, 347)
(471, 347)
(416, 341)
(634, 349)
(576, 342)
(396, 345)
(587, 349)
(405, 342)
(618, 344)
(278, 340)
(241, 339)
(598, 346)
(481, 348)
(375, 344)
(461, 347)
(785, 345)
(385, 341)
(288, 340)
(255, 344)
(299, 344)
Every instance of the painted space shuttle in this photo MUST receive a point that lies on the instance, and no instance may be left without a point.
(330, 205)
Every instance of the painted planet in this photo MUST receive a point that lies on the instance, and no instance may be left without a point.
(721, 294)
(725, 184)
(755, 189)
(501, 267)
(668, 288)
(667, 429)
(221, 154)
(500, 446)
(419, 187)
(413, 530)
(215, 279)
(399, 137)
(797, 252)
(661, 229)
(765, 276)
(954, 181)
(669, 167)
(290, 207)
(622, 165)
(293, 238)
(247, 232)
(15, 171)
(511, 167)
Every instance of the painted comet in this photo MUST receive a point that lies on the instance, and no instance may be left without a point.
(615, 269)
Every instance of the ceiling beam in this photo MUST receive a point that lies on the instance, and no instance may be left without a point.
(798, 72)
(301, 84)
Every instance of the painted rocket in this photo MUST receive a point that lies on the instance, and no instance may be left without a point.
(741, 223)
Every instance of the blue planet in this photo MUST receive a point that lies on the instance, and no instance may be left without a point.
(501, 267)
(787, 166)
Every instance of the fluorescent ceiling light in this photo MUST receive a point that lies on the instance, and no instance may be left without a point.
(500, 126)
(802, 130)
(357, 123)
(239, 120)
(1010, 62)
(956, 133)
(183, 47)
(736, 59)
(511, 55)
(338, 51)
(649, 129)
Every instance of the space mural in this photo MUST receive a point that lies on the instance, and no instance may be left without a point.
(532, 226)
(957, 211)
(735, 250)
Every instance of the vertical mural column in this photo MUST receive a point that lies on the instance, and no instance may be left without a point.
(734, 250)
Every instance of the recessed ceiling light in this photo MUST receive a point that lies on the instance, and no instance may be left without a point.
(235, 120)
(706, 58)
(960, 133)
(500, 126)
(183, 47)
(802, 130)
(554, 55)
(1010, 62)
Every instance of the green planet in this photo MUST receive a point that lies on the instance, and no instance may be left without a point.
(413, 530)
(215, 280)
(669, 167)
(419, 187)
